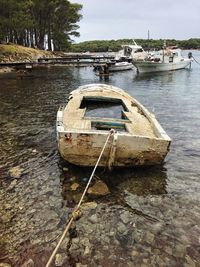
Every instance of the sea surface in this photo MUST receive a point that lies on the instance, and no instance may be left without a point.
(155, 211)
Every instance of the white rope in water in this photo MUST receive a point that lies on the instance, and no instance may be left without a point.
(196, 60)
(80, 201)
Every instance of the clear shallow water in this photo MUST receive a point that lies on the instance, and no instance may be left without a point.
(161, 205)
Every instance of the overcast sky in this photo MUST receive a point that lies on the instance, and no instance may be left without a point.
(118, 19)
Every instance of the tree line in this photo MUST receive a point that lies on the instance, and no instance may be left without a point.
(50, 24)
(43, 24)
(115, 45)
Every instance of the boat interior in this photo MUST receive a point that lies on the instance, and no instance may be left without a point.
(96, 110)
(105, 113)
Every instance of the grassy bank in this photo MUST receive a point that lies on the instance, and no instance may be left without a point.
(17, 53)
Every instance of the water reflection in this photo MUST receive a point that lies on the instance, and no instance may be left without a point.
(157, 75)
(164, 79)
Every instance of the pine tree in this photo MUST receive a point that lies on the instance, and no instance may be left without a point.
(31, 22)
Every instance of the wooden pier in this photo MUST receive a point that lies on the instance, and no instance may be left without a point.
(77, 60)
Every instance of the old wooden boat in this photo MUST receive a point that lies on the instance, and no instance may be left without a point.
(92, 110)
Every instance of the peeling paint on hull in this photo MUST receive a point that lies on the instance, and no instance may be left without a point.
(130, 151)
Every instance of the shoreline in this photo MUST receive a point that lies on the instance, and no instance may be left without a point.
(6, 70)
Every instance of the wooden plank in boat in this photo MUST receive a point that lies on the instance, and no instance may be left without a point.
(140, 125)
(73, 114)
(78, 124)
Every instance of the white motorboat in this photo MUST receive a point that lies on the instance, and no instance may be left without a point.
(92, 111)
(129, 52)
(112, 66)
(119, 66)
(164, 60)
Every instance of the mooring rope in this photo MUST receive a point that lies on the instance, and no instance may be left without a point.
(76, 212)
(196, 60)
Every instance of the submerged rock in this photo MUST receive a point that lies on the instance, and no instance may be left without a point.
(93, 218)
(125, 217)
(89, 205)
(121, 228)
(60, 259)
(12, 184)
(81, 265)
(33, 151)
(189, 262)
(15, 172)
(74, 186)
(28, 263)
(4, 264)
(99, 189)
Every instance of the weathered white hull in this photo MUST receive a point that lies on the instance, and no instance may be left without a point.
(84, 148)
(121, 67)
(143, 141)
(149, 66)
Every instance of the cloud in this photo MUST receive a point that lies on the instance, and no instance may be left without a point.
(117, 19)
